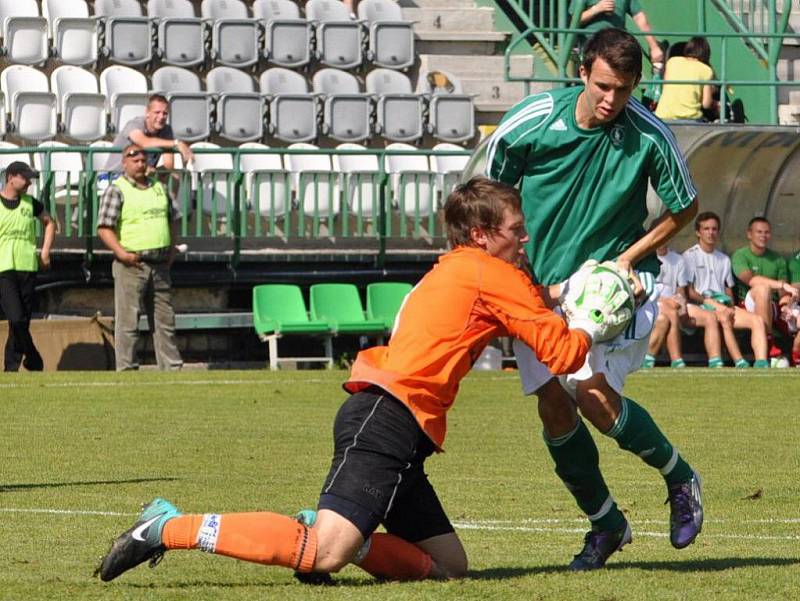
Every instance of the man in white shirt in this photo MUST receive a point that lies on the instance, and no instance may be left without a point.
(711, 287)
(676, 315)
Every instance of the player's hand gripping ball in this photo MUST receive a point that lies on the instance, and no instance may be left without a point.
(599, 299)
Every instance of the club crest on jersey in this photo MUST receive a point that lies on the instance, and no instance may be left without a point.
(617, 134)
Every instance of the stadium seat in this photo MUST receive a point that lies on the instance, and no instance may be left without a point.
(126, 94)
(189, 106)
(384, 300)
(360, 180)
(65, 168)
(24, 32)
(73, 32)
(451, 114)
(347, 113)
(293, 111)
(98, 162)
(448, 168)
(412, 181)
(7, 158)
(315, 184)
(82, 109)
(29, 102)
(214, 172)
(3, 124)
(340, 306)
(235, 38)
(127, 33)
(240, 109)
(279, 309)
(288, 40)
(391, 39)
(181, 34)
(400, 113)
(339, 39)
(266, 181)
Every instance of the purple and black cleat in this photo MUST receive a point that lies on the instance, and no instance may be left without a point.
(598, 547)
(685, 512)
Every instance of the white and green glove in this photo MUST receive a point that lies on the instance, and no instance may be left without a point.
(599, 299)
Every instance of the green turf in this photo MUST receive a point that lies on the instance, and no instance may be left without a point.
(232, 441)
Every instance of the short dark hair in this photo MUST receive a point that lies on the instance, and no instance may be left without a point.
(705, 216)
(697, 47)
(618, 48)
(757, 219)
(157, 98)
(480, 202)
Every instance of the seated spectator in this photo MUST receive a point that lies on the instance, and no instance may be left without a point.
(710, 290)
(600, 14)
(675, 315)
(686, 102)
(762, 285)
(794, 308)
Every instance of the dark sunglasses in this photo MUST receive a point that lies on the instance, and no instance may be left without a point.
(134, 153)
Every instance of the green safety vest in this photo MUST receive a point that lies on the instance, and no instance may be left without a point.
(144, 221)
(18, 237)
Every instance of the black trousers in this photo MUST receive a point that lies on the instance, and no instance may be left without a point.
(17, 290)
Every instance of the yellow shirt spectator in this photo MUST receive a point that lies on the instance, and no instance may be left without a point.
(684, 101)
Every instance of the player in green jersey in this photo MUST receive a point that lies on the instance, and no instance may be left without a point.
(583, 157)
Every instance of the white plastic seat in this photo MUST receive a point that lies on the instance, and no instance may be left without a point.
(215, 181)
(66, 169)
(24, 32)
(315, 184)
(81, 107)
(448, 168)
(235, 38)
(98, 161)
(400, 113)
(451, 114)
(339, 38)
(412, 181)
(266, 186)
(347, 113)
(190, 107)
(181, 34)
(125, 90)
(7, 158)
(73, 32)
(391, 39)
(240, 109)
(360, 180)
(288, 37)
(293, 111)
(127, 33)
(29, 102)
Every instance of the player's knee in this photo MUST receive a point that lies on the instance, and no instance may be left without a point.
(455, 568)
(330, 562)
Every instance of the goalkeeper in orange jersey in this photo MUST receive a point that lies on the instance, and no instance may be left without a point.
(395, 417)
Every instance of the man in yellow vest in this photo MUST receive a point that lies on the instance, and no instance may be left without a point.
(19, 263)
(139, 224)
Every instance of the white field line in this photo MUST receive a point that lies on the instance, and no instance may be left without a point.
(486, 525)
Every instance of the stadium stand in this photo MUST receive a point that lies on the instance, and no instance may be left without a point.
(125, 90)
(190, 106)
(359, 181)
(81, 107)
(451, 113)
(399, 112)
(213, 172)
(239, 108)
(181, 34)
(293, 110)
(448, 168)
(339, 40)
(266, 184)
(288, 38)
(25, 39)
(29, 102)
(384, 300)
(73, 33)
(391, 39)
(412, 181)
(347, 112)
(126, 33)
(340, 306)
(235, 38)
(314, 183)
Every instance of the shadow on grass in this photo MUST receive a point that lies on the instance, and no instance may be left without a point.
(12, 487)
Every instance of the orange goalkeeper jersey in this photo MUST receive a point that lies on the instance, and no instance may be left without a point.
(468, 298)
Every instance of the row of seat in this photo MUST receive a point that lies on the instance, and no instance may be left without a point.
(279, 309)
(225, 32)
(74, 103)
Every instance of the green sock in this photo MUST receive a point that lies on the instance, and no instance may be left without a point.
(635, 431)
(742, 363)
(678, 363)
(715, 362)
(649, 361)
(578, 465)
(761, 364)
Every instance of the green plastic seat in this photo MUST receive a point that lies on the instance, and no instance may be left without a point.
(280, 309)
(384, 300)
(340, 306)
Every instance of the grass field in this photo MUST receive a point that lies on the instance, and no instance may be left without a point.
(80, 452)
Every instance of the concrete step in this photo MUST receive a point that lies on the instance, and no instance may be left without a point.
(496, 95)
(794, 97)
(451, 19)
(788, 70)
(789, 114)
(459, 43)
(479, 66)
(437, 3)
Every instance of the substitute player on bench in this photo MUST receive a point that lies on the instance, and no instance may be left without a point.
(584, 156)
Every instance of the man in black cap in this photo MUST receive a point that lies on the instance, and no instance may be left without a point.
(19, 263)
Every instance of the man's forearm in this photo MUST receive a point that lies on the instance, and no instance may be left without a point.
(662, 231)
(109, 238)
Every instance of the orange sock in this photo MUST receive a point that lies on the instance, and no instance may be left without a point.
(392, 558)
(263, 537)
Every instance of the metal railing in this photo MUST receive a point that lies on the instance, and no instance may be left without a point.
(231, 209)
